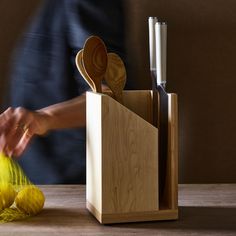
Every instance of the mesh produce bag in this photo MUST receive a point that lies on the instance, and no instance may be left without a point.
(19, 198)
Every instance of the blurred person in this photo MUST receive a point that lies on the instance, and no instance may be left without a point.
(45, 124)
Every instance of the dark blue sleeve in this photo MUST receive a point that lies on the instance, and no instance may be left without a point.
(103, 18)
(41, 70)
(44, 66)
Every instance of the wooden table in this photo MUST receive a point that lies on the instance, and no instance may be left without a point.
(204, 210)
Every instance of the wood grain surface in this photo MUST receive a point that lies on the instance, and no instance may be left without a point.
(130, 180)
(204, 210)
(95, 60)
(122, 158)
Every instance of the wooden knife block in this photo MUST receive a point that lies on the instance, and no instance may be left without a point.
(122, 159)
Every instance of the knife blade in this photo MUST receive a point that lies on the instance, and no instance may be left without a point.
(152, 59)
(161, 56)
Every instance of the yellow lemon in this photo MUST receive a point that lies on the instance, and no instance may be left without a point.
(7, 195)
(30, 200)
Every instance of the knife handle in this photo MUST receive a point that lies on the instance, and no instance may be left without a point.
(161, 52)
(152, 42)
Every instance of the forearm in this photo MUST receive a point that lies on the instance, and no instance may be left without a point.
(69, 114)
(19, 125)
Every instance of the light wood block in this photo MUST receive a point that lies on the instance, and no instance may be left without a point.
(122, 160)
(165, 214)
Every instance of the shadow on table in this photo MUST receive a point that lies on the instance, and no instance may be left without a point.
(194, 218)
(190, 219)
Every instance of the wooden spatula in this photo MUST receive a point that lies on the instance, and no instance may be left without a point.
(115, 76)
(95, 60)
(80, 67)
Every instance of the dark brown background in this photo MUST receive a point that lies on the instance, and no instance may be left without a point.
(201, 69)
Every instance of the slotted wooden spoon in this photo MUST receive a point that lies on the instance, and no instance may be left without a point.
(95, 60)
(80, 67)
(115, 76)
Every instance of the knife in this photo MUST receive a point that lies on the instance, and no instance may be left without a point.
(161, 60)
(152, 54)
(157, 53)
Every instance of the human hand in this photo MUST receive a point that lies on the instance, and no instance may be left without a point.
(18, 126)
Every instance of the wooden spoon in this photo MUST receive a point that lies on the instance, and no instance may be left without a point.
(115, 76)
(80, 67)
(95, 60)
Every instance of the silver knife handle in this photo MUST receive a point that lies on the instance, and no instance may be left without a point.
(161, 52)
(152, 42)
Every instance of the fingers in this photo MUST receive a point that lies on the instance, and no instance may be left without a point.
(17, 141)
(23, 143)
(6, 124)
(15, 131)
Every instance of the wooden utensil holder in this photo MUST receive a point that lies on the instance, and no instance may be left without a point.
(122, 159)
